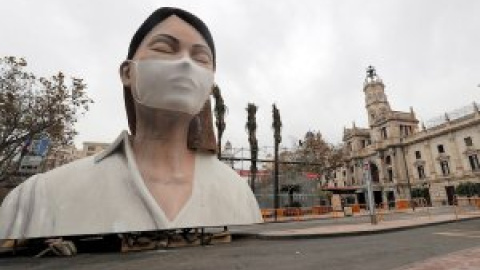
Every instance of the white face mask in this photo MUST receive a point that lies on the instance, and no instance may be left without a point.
(174, 85)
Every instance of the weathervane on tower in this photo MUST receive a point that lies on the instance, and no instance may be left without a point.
(371, 72)
(372, 75)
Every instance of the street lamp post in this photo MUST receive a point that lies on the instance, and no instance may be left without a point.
(368, 183)
(409, 185)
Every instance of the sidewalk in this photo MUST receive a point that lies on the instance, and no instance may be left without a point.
(300, 230)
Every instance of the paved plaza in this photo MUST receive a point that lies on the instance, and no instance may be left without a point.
(462, 260)
(425, 242)
(326, 226)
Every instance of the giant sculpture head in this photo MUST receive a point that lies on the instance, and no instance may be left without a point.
(171, 34)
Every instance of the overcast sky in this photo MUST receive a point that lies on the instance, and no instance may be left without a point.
(308, 57)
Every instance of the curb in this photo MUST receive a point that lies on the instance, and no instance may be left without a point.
(262, 236)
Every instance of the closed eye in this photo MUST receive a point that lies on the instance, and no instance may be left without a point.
(202, 58)
(202, 55)
(164, 43)
(162, 47)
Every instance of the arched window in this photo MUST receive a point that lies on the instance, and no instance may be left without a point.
(388, 160)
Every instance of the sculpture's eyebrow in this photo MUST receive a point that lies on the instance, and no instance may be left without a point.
(171, 40)
(175, 42)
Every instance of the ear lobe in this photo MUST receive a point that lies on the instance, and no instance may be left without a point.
(125, 74)
(212, 88)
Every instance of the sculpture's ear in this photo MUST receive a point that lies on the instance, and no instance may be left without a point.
(125, 73)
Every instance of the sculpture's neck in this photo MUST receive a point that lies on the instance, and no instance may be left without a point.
(160, 144)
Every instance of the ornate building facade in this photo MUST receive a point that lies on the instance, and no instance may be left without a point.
(405, 158)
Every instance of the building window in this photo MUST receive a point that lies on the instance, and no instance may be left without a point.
(440, 148)
(388, 160)
(421, 172)
(91, 148)
(405, 130)
(418, 155)
(473, 159)
(390, 174)
(468, 141)
(445, 168)
(383, 131)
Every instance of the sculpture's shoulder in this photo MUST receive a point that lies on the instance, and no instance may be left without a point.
(84, 172)
(54, 202)
(58, 177)
(70, 172)
(29, 209)
(221, 175)
(228, 191)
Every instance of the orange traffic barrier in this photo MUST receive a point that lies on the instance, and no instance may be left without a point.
(297, 213)
(267, 213)
(402, 204)
(281, 212)
(320, 209)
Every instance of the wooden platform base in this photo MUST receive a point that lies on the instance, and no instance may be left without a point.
(159, 240)
(126, 242)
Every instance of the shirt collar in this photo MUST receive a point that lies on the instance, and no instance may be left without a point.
(119, 142)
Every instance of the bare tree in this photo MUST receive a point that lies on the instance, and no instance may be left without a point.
(313, 150)
(314, 154)
(30, 106)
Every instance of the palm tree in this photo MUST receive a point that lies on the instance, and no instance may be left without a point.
(220, 110)
(277, 126)
(252, 140)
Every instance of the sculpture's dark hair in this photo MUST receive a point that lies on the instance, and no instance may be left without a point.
(201, 135)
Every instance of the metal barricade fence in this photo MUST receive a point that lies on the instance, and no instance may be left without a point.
(296, 213)
(265, 200)
(387, 211)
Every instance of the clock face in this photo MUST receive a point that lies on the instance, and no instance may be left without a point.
(375, 97)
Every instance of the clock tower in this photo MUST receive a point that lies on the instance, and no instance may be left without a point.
(375, 99)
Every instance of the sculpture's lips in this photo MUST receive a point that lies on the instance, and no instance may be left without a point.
(183, 82)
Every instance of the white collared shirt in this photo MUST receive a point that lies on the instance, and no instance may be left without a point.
(106, 194)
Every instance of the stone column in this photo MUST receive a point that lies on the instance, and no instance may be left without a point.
(430, 162)
(381, 169)
(384, 197)
(395, 191)
(457, 162)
